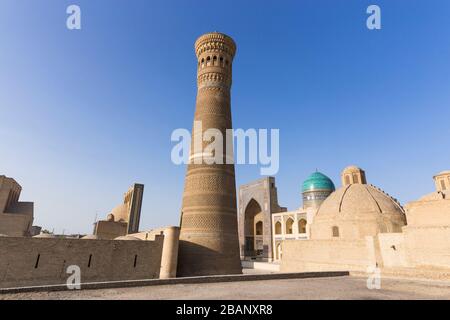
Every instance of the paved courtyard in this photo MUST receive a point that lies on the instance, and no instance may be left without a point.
(313, 288)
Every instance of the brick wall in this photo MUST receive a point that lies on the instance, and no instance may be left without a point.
(42, 261)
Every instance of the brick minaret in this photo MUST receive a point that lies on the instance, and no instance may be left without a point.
(209, 241)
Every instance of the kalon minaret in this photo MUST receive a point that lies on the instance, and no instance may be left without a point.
(209, 243)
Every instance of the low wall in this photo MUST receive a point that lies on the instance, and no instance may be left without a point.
(44, 261)
(169, 258)
(428, 246)
(326, 255)
(392, 250)
(415, 251)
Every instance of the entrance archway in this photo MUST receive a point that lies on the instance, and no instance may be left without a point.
(253, 230)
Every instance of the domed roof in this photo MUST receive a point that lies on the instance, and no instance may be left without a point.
(45, 235)
(127, 238)
(318, 181)
(90, 237)
(356, 199)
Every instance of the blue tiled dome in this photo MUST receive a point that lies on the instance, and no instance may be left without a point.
(318, 181)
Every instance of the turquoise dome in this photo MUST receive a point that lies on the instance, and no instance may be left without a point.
(318, 181)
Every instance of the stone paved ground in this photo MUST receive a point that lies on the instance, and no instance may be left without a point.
(316, 288)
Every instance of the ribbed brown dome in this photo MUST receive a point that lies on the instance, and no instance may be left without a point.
(359, 198)
(356, 211)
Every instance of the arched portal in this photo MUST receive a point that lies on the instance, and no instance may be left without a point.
(253, 230)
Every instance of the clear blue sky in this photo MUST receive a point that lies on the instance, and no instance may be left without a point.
(84, 114)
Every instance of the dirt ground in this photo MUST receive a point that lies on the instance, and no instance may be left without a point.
(314, 288)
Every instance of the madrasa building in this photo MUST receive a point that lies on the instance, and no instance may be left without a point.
(264, 225)
(352, 228)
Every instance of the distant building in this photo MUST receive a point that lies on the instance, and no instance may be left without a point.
(116, 252)
(295, 225)
(123, 219)
(427, 235)
(356, 210)
(359, 226)
(35, 230)
(263, 224)
(16, 218)
(258, 200)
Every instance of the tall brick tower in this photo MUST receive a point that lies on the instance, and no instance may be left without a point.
(209, 243)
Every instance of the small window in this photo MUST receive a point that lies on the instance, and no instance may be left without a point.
(347, 180)
(90, 261)
(278, 227)
(302, 226)
(135, 260)
(289, 224)
(443, 185)
(335, 232)
(259, 228)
